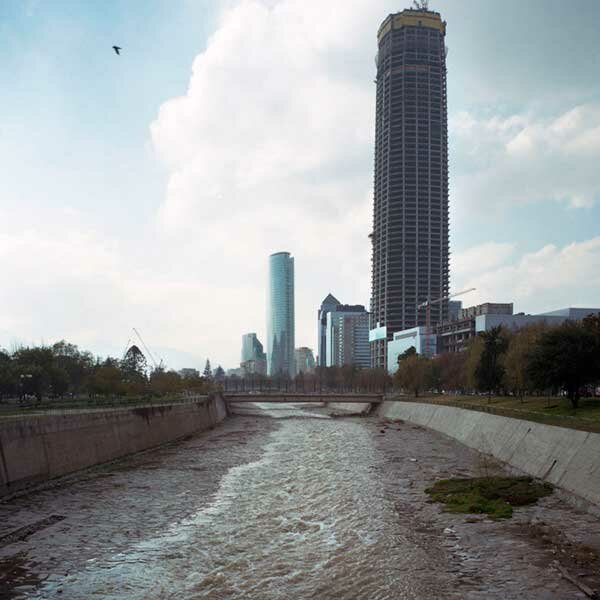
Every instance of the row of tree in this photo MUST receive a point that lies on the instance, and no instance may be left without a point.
(63, 369)
(534, 360)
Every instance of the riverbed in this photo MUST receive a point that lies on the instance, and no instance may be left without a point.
(283, 502)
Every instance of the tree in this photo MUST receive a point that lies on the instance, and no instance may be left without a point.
(77, 364)
(471, 363)
(8, 379)
(207, 373)
(33, 368)
(134, 365)
(106, 380)
(219, 373)
(567, 358)
(592, 324)
(433, 376)
(59, 381)
(165, 382)
(452, 370)
(413, 372)
(412, 351)
(348, 375)
(516, 359)
(490, 370)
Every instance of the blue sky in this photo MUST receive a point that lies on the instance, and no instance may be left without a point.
(148, 189)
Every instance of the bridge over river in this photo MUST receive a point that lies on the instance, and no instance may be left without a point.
(291, 505)
(298, 397)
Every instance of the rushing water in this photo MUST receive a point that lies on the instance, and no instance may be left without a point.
(301, 506)
(306, 520)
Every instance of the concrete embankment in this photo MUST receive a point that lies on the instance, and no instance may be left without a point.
(34, 449)
(341, 408)
(564, 457)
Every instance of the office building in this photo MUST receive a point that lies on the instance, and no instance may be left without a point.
(347, 337)
(454, 308)
(251, 347)
(410, 243)
(305, 361)
(330, 303)
(254, 359)
(280, 317)
(454, 335)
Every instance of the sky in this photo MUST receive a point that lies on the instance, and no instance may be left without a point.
(147, 190)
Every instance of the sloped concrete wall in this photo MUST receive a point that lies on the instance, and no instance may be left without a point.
(567, 458)
(35, 449)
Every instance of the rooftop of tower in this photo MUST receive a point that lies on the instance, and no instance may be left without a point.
(412, 17)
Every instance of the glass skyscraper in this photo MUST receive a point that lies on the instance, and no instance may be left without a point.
(410, 213)
(280, 317)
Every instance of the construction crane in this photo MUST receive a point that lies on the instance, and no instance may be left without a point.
(421, 5)
(156, 365)
(427, 304)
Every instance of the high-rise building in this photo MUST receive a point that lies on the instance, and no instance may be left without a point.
(305, 361)
(410, 242)
(251, 347)
(347, 337)
(280, 318)
(330, 303)
(254, 359)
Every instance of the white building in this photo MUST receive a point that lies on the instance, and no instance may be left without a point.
(417, 337)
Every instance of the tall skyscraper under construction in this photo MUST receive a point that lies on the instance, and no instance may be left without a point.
(410, 244)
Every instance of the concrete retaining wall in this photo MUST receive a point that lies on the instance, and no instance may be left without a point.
(567, 458)
(346, 407)
(38, 448)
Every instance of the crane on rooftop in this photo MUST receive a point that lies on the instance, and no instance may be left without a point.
(421, 5)
(427, 305)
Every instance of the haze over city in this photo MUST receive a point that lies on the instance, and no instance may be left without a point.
(147, 190)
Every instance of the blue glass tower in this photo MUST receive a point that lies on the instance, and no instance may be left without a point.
(280, 317)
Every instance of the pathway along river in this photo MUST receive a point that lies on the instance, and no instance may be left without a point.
(285, 503)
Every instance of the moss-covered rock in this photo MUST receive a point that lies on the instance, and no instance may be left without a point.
(494, 496)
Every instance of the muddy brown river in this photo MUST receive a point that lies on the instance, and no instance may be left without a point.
(284, 502)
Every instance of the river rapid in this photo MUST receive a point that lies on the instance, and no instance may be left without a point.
(277, 503)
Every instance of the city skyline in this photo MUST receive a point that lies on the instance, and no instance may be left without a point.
(141, 215)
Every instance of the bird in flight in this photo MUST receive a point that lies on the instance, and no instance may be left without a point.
(117, 49)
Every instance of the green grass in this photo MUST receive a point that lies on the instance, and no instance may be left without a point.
(589, 407)
(494, 496)
(83, 403)
(549, 410)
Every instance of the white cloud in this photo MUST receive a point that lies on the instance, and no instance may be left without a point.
(269, 126)
(549, 278)
(76, 285)
(525, 159)
(479, 259)
(271, 149)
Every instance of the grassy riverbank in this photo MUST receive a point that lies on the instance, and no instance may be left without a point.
(548, 410)
(83, 403)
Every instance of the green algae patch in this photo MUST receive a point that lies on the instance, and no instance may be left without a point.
(494, 496)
